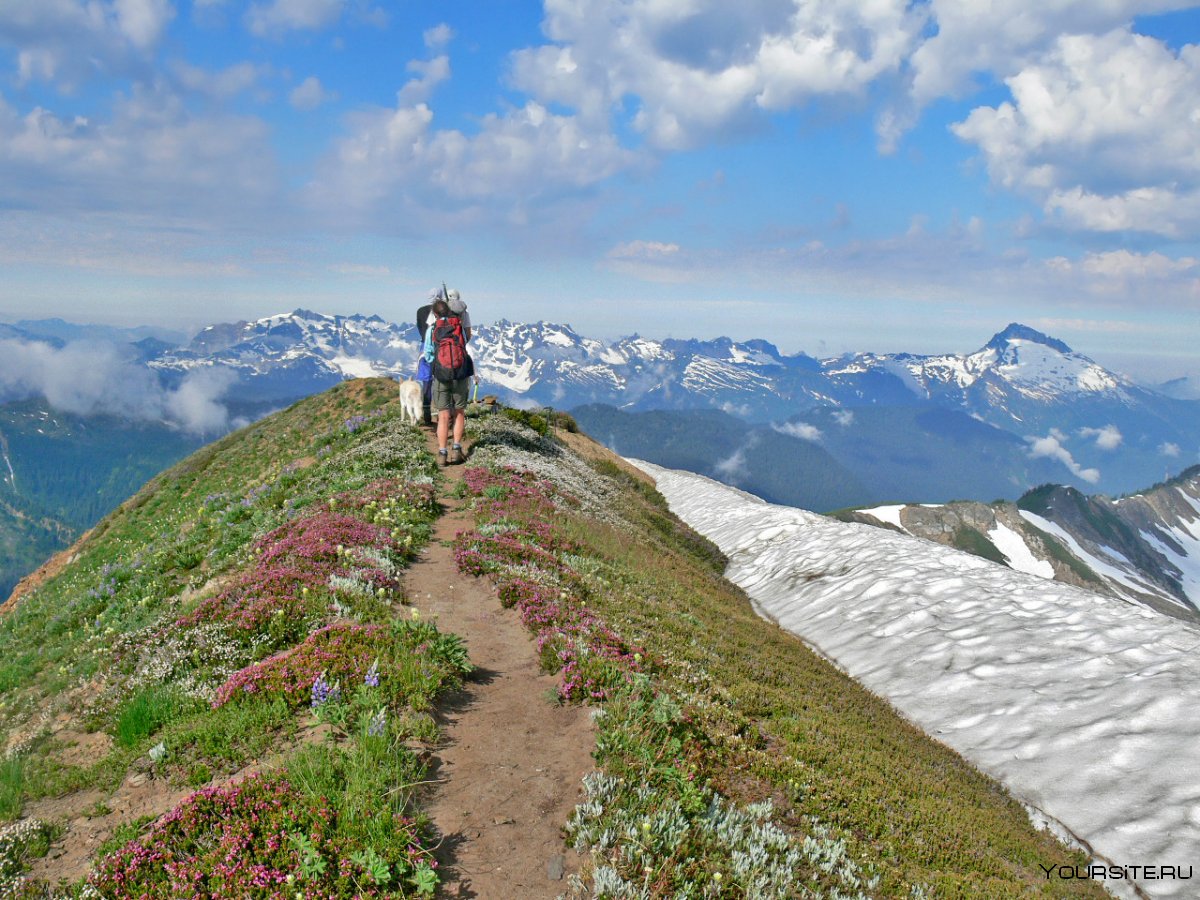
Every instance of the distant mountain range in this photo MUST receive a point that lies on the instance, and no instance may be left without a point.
(1044, 402)
(853, 430)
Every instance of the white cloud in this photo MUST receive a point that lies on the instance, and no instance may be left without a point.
(1052, 447)
(280, 16)
(438, 36)
(801, 430)
(1169, 449)
(704, 68)
(1154, 277)
(734, 467)
(1107, 438)
(143, 21)
(430, 73)
(94, 379)
(1003, 36)
(394, 166)
(643, 250)
(1102, 131)
(220, 84)
(71, 41)
(309, 94)
(196, 405)
(844, 417)
(152, 155)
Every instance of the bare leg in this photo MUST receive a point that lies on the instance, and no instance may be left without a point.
(460, 424)
(443, 428)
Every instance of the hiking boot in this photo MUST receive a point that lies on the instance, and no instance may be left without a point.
(443, 459)
(457, 455)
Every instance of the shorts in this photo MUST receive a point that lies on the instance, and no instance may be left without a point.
(450, 395)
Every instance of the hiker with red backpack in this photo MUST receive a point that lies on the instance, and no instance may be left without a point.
(446, 350)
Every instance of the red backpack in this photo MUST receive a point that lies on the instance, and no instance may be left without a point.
(450, 359)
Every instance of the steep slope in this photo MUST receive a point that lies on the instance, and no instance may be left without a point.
(773, 465)
(1067, 697)
(60, 473)
(245, 625)
(1144, 547)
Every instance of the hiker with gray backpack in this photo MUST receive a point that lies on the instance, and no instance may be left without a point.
(446, 351)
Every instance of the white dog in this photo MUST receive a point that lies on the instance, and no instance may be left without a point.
(410, 401)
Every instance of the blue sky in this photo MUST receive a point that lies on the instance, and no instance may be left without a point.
(849, 175)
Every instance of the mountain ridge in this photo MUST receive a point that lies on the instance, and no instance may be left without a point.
(1143, 547)
(721, 746)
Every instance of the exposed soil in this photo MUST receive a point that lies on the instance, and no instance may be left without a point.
(509, 769)
(45, 572)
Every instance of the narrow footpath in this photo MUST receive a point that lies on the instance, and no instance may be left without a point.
(511, 759)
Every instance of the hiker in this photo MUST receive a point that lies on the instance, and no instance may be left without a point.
(424, 373)
(446, 350)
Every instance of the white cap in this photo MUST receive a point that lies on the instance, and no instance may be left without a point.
(456, 305)
(452, 295)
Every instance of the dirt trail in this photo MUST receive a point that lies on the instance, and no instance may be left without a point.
(510, 766)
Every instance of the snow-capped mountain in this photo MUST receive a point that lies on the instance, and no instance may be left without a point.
(1144, 547)
(1099, 427)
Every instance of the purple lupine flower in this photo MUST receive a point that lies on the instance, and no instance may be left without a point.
(323, 692)
(372, 677)
(378, 723)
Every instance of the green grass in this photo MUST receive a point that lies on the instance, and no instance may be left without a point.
(777, 723)
(12, 787)
(148, 711)
(972, 540)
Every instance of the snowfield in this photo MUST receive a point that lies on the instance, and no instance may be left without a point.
(1086, 707)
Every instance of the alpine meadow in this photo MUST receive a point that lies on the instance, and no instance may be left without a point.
(226, 686)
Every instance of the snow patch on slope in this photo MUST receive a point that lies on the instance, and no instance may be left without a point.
(1082, 705)
(1017, 552)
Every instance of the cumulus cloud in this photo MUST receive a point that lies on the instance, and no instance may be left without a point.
(1051, 447)
(278, 17)
(152, 155)
(438, 36)
(101, 379)
(706, 68)
(1169, 449)
(309, 94)
(430, 73)
(1102, 131)
(1002, 36)
(394, 163)
(70, 41)
(734, 468)
(801, 430)
(1107, 438)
